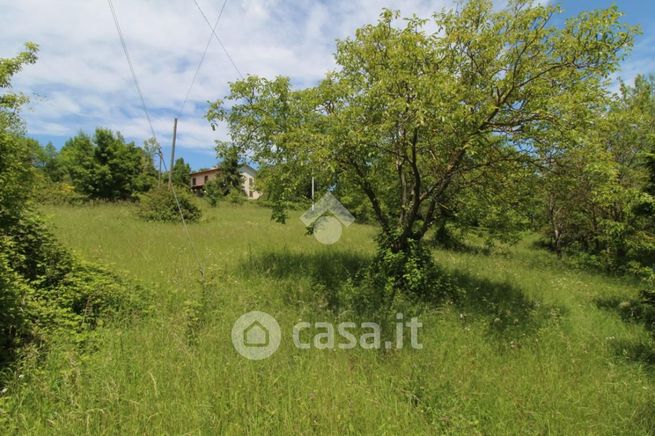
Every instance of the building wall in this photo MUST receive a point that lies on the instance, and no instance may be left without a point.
(248, 183)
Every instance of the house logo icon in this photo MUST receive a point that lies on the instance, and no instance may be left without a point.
(256, 335)
(327, 228)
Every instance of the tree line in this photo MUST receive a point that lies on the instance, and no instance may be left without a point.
(105, 166)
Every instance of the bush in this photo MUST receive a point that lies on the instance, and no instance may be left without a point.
(58, 193)
(236, 197)
(213, 192)
(44, 291)
(647, 300)
(396, 281)
(160, 205)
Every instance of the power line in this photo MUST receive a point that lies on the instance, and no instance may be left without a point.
(129, 62)
(201, 267)
(218, 39)
(202, 59)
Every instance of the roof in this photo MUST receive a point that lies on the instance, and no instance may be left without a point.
(207, 171)
(244, 167)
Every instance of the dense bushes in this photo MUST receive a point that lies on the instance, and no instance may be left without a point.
(160, 205)
(104, 166)
(57, 193)
(597, 197)
(46, 292)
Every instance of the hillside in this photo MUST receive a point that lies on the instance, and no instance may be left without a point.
(524, 349)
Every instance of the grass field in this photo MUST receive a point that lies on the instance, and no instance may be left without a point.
(526, 351)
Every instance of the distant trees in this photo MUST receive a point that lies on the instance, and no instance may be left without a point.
(47, 160)
(598, 194)
(181, 173)
(228, 181)
(104, 166)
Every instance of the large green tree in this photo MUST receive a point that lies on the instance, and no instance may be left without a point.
(416, 108)
(105, 165)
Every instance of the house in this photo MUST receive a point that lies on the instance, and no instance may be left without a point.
(248, 175)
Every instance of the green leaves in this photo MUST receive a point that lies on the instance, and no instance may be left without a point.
(105, 166)
(411, 117)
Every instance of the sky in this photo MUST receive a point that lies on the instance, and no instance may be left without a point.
(82, 79)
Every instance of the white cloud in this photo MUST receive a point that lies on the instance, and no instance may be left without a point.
(82, 79)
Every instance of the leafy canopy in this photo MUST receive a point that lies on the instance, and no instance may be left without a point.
(105, 166)
(411, 114)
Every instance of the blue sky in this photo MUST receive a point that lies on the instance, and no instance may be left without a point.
(82, 79)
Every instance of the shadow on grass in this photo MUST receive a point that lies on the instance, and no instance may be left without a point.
(632, 311)
(510, 314)
(636, 351)
(326, 271)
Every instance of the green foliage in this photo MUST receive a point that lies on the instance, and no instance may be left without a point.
(57, 193)
(14, 324)
(44, 291)
(228, 183)
(11, 102)
(648, 303)
(47, 160)
(229, 177)
(106, 167)
(160, 204)
(640, 309)
(396, 281)
(181, 173)
(213, 192)
(413, 117)
(236, 197)
(596, 196)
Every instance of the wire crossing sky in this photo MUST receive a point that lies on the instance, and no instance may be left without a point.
(81, 80)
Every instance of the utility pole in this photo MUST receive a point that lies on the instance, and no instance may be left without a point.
(170, 168)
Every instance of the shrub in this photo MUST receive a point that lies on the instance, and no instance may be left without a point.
(236, 197)
(160, 205)
(648, 309)
(58, 193)
(213, 192)
(396, 281)
(13, 322)
(44, 291)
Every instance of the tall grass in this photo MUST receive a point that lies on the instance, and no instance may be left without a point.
(525, 349)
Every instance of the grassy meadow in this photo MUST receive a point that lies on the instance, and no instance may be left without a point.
(526, 350)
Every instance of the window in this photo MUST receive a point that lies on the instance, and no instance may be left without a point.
(250, 194)
(206, 178)
(251, 182)
(193, 181)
